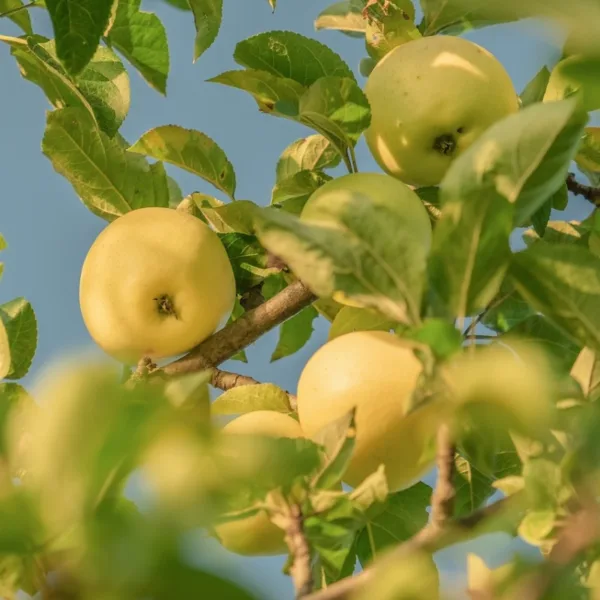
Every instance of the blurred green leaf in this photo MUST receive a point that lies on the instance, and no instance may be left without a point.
(20, 325)
(191, 150)
(345, 16)
(472, 487)
(247, 257)
(312, 153)
(405, 514)
(109, 181)
(234, 217)
(534, 91)
(21, 531)
(20, 18)
(562, 282)
(441, 336)
(586, 371)
(267, 89)
(15, 404)
(141, 38)
(78, 26)
(248, 398)
(295, 333)
(350, 319)
(588, 154)
(290, 55)
(292, 193)
(207, 18)
(507, 309)
(575, 75)
(371, 495)
(486, 198)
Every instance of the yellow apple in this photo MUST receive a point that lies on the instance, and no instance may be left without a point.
(257, 535)
(376, 372)
(430, 99)
(156, 282)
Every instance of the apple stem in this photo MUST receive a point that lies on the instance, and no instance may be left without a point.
(445, 144)
(165, 305)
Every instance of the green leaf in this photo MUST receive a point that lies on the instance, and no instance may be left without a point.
(295, 333)
(563, 282)
(526, 160)
(534, 91)
(576, 75)
(507, 309)
(236, 313)
(180, 4)
(191, 150)
(102, 87)
(141, 38)
(20, 529)
(78, 26)
(472, 487)
(441, 336)
(559, 232)
(586, 371)
(248, 398)
(109, 180)
(292, 193)
(389, 30)
(456, 16)
(207, 18)
(541, 216)
(20, 18)
(15, 405)
(371, 495)
(537, 526)
(404, 515)
(350, 319)
(345, 16)
(290, 55)
(266, 88)
(236, 216)
(20, 325)
(312, 153)
(338, 109)
(588, 154)
(247, 257)
(363, 257)
(189, 393)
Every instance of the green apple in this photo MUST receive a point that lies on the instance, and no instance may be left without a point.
(376, 372)
(430, 99)
(155, 283)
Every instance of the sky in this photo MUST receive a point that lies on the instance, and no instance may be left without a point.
(49, 230)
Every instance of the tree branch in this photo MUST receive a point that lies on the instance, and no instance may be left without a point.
(432, 538)
(592, 194)
(296, 540)
(226, 342)
(442, 499)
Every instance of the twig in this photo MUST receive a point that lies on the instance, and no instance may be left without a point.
(442, 499)
(17, 9)
(592, 194)
(296, 540)
(244, 331)
(477, 320)
(431, 539)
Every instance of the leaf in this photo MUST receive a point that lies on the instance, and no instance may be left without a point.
(102, 87)
(575, 76)
(292, 193)
(472, 487)
(562, 282)
(236, 313)
(290, 55)
(266, 88)
(588, 154)
(190, 395)
(236, 216)
(207, 18)
(109, 181)
(541, 216)
(247, 257)
(295, 333)
(507, 310)
(363, 257)
(248, 398)
(191, 150)
(586, 371)
(20, 325)
(559, 232)
(404, 515)
(180, 4)
(389, 30)
(312, 153)
(534, 91)
(350, 319)
(338, 109)
(441, 336)
(141, 38)
(499, 182)
(345, 16)
(78, 26)
(20, 18)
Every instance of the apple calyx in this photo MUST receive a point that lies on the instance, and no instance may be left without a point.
(165, 305)
(445, 144)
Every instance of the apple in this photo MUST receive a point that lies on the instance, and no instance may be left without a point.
(257, 535)
(155, 283)
(430, 99)
(376, 372)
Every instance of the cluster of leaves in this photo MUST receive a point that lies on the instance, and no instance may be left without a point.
(511, 178)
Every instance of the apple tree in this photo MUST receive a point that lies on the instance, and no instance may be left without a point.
(450, 350)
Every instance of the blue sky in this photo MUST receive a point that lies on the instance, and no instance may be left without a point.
(49, 231)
